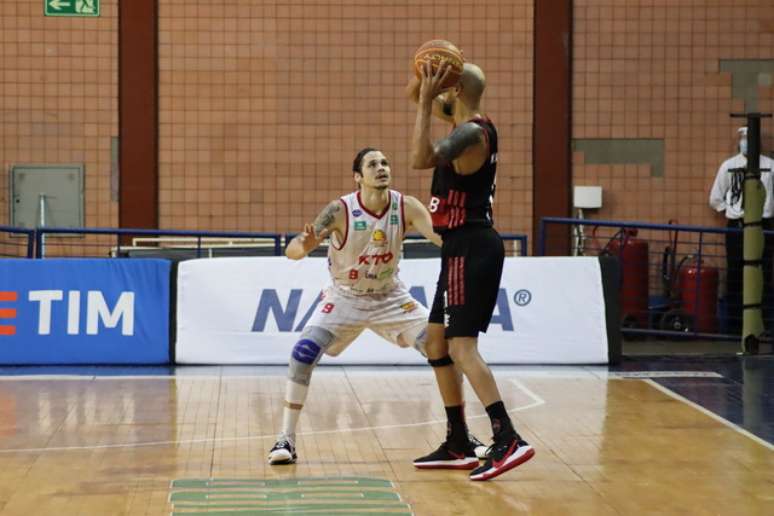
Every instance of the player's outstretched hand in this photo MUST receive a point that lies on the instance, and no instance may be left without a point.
(310, 234)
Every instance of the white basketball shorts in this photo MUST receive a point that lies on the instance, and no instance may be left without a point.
(388, 315)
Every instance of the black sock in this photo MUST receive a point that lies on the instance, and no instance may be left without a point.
(501, 423)
(456, 430)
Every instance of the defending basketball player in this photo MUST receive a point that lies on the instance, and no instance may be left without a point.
(472, 257)
(366, 229)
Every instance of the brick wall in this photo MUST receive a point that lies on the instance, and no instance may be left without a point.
(659, 70)
(265, 104)
(59, 98)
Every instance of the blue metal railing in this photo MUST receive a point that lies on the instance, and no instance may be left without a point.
(703, 251)
(508, 237)
(521, 239)
(626, 225)
(29, 244)
(123, 232)
(36, 238)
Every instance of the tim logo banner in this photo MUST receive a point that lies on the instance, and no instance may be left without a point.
(253, 310)
(84, 311)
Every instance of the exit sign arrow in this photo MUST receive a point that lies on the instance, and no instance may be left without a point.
(88, 8)
(59, 4)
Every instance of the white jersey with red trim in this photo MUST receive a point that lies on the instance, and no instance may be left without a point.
(365, 261)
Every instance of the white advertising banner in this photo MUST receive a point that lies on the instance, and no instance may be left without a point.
(550, 310)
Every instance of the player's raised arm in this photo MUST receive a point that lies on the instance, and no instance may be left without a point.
(441, 109)
(431, 85)
(418, 217)
(328, 221)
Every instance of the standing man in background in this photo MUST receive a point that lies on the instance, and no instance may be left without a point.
(726, 195)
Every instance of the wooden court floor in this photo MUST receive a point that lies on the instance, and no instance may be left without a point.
(195, 442)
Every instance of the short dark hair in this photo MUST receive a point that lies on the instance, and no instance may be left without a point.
(357, 165)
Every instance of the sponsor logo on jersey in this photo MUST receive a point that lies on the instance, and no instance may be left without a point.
(360, 225)
(356, 213)
(409, 307)
(381, 276)
(375, 259)
(393, 219)
(379, 237)
(386, 273)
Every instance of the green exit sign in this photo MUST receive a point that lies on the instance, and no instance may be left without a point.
(72, 7)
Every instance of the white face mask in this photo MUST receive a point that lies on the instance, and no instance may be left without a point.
(743, 146)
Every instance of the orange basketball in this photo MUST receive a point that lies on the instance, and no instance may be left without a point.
(438, 52)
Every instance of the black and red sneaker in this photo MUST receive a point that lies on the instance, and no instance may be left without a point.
(505, 454)
(446, 458)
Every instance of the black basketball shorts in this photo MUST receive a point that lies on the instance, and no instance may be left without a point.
(466, 293)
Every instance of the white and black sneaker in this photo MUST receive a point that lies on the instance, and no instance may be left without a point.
(446, 458)
(505, 454)
(283, 452)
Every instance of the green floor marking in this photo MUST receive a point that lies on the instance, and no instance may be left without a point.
(298, 496)
(316, 512)
(271, 496)
(288, 509)
(295, 482)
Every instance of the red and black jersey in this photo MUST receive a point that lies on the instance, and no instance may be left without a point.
(459, 200)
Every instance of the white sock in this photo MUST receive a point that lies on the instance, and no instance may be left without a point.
(295, 395)
(289, 422)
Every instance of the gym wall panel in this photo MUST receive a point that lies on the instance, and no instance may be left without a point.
(265, 104)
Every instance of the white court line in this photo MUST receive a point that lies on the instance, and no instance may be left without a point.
(536, 401)
(622, 375)
(550, 372)
(30, 377)
(711, 414)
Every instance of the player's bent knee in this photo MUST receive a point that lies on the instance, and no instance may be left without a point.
(416, 338)
(461, 353)
(334, 352)
(307, 352)
(436, 347)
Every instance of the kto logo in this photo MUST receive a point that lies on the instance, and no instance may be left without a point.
(285, 315)
(97, 310)
(375, 259)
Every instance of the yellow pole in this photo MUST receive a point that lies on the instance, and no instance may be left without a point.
(753, 199)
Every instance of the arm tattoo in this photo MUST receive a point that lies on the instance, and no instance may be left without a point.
(451, 147)
(327, 216)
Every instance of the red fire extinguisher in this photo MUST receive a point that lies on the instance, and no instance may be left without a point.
(633, 256)
(699, 295)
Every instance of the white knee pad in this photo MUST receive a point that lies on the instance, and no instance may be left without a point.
(307, 352)
(416, 337)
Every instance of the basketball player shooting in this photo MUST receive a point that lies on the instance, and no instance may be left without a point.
(366, 229)
(472, 253)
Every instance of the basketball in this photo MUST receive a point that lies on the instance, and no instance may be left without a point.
(438, 52)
